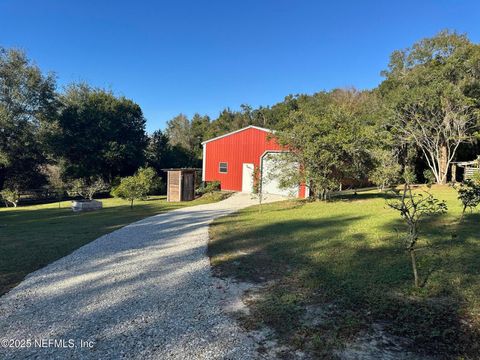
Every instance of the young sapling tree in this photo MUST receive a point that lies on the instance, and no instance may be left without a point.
(11, 196)
(469, 195)
(136, 187)
(412, 208)
(87, 187)
(257, 192)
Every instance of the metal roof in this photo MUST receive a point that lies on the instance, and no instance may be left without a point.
(465, 163)
(236, 131)
(182, 169)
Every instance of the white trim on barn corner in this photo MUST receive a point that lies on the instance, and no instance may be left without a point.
(291, 191)
(273, 151)
(236, 131)
(204, 160)
(265, 154)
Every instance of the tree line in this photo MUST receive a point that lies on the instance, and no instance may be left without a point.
(420, 118)
(79, 136)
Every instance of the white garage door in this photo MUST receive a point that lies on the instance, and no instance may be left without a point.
(271, 171)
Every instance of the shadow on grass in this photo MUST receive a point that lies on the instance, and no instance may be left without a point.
(364, 196)
(32, 238)
(319, 263)
(130, 293)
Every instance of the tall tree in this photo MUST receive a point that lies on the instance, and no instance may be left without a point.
(160, 154)
(224, 123)
(28, 105)
(329, 136)
(432, 91)
(199, 131)
(179, 131)
(158, 151)
(100, 134)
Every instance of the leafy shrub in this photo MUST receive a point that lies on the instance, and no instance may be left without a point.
(409, 175)
(87, 187)
(216, 196)
(158, 187)
(469, 195)
(138, 186)
(148, 177)
(11, 196)
(208, 187)
(131, 189)
(387, 170)
(476, 178)
(429, 177)
(412, 208)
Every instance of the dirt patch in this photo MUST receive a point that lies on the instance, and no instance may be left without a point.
(234, 299)
(379, 344)
(232, 295)
(376, 343)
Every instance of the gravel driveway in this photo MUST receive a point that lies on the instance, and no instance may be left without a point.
(142, 292)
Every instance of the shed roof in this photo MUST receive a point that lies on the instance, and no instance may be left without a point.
(467, 163)
(236, 131)
(182, 169)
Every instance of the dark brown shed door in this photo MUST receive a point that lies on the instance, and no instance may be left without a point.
(188, 187)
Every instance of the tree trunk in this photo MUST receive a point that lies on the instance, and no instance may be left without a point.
(463, 212)
(454, 173)
(414, 268)
(131, 204)
(443, 164)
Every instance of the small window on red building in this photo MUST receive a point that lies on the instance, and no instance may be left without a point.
(223, 167)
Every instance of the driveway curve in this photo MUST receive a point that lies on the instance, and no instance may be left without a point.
(142, 292)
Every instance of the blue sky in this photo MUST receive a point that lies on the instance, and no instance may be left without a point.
(202, 56)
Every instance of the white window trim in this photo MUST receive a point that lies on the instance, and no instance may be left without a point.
(220, 167)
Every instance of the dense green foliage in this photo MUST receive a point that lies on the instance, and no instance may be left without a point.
(425, 110)
(432, 93)
(27, 108)
(136, 187)
(87, 187)
(422, 116)
(10, 196)
(99, 134)
(208, 187)
(333, 137)
(469, 194)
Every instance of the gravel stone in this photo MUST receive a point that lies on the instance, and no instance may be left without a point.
(142, 292)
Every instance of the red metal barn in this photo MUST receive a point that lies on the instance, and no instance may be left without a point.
(231, 158)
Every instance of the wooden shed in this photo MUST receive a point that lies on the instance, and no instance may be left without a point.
(181, 184)
(469, 168)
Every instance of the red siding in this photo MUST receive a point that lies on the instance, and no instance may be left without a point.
(246, 146)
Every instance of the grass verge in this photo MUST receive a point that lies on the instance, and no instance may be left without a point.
(344, 260)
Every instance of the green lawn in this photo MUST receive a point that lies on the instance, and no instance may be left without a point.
(33, 236)
(344, 259)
